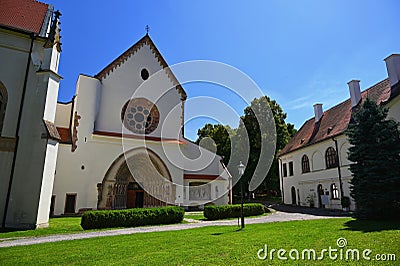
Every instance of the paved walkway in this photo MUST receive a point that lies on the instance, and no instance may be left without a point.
(278, 216)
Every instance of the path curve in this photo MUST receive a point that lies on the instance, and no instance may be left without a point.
(274, 217)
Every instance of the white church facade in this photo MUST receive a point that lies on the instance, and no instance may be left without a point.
(119, 137)
(315, 160)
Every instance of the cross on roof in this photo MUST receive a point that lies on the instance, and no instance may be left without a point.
(147, 28)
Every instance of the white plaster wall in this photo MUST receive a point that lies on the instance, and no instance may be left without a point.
(119, 86)
(97, 156)
(51, 98)
(210, 165)
(47, 183)
(307, 183)
(41, 90)
(14, 51)
(87, 104)
(5, 166)
(394, 109)
(63, 115)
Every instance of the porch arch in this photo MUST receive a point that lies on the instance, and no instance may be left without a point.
(140, 169)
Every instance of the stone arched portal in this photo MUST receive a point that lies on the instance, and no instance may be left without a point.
(138, 178)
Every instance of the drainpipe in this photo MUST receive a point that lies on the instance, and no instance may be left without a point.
(230, 182)
(21, 106)
(338, 167)
(280, 174)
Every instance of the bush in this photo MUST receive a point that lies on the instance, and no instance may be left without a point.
(131, 217)
(233, 211)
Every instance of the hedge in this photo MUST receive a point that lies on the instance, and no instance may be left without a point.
(233, 211)
(131, 217)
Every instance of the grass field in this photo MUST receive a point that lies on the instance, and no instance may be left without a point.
(62, 225)
(217, 245)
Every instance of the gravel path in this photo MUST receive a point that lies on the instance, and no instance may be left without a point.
(274, 217)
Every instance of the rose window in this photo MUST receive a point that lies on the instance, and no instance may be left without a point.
(140, 116)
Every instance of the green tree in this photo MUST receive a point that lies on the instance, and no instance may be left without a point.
(375, 154)
(250, 126)
(271, 180)
(292, 131)
(221, 140)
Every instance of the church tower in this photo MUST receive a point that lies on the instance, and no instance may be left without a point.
(29, 81)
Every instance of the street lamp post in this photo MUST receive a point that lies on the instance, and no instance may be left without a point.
(241, 168)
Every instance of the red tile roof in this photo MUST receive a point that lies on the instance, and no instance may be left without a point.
(26, 15)
(335, 120)
(65, 134)
(201, 176)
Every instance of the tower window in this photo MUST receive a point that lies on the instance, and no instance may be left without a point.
(144, 74)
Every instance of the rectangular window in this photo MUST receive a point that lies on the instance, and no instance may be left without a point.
(199, 191)
(70, 203)
(284, 170)
(291, 168)
(52, 204)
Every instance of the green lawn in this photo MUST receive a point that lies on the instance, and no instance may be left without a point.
(62, 225)
(221, 245)
(195, 216)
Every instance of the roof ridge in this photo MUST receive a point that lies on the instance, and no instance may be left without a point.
(334, 121)
(131, 51)
(362, 92)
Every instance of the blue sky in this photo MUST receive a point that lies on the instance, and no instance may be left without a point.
(298, 52)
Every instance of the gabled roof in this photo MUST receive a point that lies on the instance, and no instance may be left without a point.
(146, 40)
(335, 120)
(25, 15)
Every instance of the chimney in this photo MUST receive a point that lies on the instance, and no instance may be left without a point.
(393, 68)
(318, 112)
(355, 92)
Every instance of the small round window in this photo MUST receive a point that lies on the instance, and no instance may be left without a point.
(144, 74)
(140, 116)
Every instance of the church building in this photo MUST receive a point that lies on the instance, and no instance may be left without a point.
(122, 142)
(29, 58)
(314, 165)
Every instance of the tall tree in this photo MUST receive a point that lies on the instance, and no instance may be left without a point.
(220, 135)
(375, 154)
(251, 127)
(292, 131)
(260, 105)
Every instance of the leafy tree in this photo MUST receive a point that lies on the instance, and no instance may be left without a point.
(220, 136)
(292, 131)
(250, 125)
(271, 181)
(375, 154)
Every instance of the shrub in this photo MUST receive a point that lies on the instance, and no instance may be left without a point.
(233, 211)
(131, 217)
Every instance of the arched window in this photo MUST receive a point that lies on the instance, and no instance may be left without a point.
(305, 164)
(331, 158)
(3, 104)
(334, 191)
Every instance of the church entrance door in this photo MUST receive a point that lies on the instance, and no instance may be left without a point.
(134, 196)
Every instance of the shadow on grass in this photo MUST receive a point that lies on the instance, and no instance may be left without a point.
(8, 230)
(371, 225)
(228, 232)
